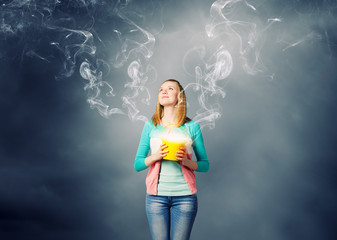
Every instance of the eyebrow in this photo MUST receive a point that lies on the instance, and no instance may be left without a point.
(168, 86)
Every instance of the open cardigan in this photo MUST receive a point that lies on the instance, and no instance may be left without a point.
(194, 132)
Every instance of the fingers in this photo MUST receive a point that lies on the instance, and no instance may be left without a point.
(180, 155)
(182, 151)
(163, 153)
(163, 146)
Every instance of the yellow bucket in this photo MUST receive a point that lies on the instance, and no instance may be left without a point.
(174, 143)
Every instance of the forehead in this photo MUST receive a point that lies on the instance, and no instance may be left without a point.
(169, 84)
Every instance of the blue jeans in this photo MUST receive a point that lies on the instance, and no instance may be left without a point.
(171, 217)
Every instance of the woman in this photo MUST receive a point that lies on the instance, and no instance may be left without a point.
(171, 200)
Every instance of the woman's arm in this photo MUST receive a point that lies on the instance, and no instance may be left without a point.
(199, 149)
(185, 160)
(202, 164)
(156, 156)
(143, 148)
(190, 164)
(143, 161)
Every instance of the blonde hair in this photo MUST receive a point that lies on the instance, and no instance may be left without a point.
(181, 105)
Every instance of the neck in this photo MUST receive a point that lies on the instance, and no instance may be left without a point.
(169, 117)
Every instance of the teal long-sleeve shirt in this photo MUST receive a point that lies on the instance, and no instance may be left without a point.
(194, 132)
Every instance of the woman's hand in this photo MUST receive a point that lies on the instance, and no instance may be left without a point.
(157, 156)
(181, 156)
(160, 153)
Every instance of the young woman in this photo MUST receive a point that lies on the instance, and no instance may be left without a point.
(171, 200)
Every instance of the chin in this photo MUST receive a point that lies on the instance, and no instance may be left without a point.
(166, 104)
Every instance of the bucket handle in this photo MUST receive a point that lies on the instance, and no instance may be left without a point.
(171, 124)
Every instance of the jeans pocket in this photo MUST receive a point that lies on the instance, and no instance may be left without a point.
(193, 196)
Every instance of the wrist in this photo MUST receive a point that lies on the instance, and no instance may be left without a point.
(150, 160)
(190, 164)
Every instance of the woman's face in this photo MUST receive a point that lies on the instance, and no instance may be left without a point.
(168, 94)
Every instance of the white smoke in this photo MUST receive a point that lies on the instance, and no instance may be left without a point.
(137, 45)
(137, 87)
(94, 88)
(217, 68)
(77, 44)
(236, 33)
(233, 36)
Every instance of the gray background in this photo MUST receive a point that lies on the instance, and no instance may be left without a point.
(66, 172)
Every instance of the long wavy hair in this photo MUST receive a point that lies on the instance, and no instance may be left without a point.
(181, 107)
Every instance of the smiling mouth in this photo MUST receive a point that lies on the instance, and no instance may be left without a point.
(164, 97)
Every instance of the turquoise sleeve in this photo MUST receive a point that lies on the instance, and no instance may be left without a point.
(143, 148)
(199, 149)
